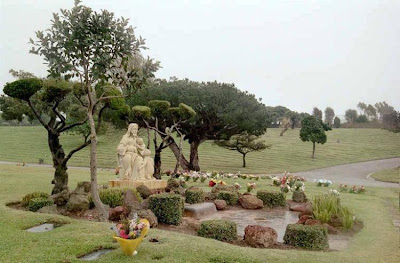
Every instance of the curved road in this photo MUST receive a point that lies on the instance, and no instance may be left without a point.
(354, 173)
(350, 174)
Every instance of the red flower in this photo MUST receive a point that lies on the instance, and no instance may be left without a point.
(123, 234)
(211, 183)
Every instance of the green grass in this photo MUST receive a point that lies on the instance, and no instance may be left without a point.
(377, 242)
(389, 175)
(28, 144)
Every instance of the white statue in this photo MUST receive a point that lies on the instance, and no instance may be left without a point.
(133, 158)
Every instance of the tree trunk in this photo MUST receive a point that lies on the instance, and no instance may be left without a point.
(194, 156)
(101, 208)
(313, 150)
(283, 131)
(184, 163)
(178, 161)
(157, 163)
(60, 180)
(244, 160)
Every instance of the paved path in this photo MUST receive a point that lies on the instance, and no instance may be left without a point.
(351, 174)
(355, 173)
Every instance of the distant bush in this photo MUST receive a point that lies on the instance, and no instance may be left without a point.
(168, 208)
(28, 197)
(36, 203)
(222, 230)
(195, 195)
(231, 198)
(307, 236)
(272, 199)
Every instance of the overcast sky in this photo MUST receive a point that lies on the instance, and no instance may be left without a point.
(299, 54)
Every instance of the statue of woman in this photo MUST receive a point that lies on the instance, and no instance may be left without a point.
(127, 153)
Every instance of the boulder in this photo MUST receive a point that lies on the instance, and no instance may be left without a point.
(303, 219)
(144, 191)
(250, 202)
(131, 201)
(299, 197)
(82, 188)
(220, 204)
(260, 236)
(61, 198)
(149, 215)
(118, 213)
(311, 222)
(144, 204)
(189, 222)
(305, 208)
(77, 203)
(50, 209)
(331, 229)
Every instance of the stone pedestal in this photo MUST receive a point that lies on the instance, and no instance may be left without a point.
(151, 184)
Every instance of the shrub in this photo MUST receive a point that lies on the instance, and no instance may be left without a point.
(39, 202)
(299, 196)
(307, 236)
(272, 199)
(168, 208)
(346, 217)
(172, 183)
(195, 195)
(28, 197)
(113, 197)
(144, 191)
(325, 207)
(231, 198)
(222, 230)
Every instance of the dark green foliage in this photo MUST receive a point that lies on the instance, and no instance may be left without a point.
(307, 236)
(222, 230)
(28, 197)
(336, 122)
(39, 202)
(144, 191)
(159, 107)
(55, 90)
(139, 112)
(113, 197)
(362, 119)
(231, 198)
(172, 183)
(194, 195)
(313, 130)
(351, 115)
(168, 208)
(23, 89)
(272, 199)
(299, 196)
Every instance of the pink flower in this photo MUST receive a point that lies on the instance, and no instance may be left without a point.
(123, 234)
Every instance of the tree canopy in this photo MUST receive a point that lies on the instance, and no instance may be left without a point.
(313, 130)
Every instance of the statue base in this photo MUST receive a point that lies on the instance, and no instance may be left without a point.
(151, 184)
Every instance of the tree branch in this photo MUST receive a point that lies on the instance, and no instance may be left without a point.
(80, 147)
(39, 117)
(73, 125)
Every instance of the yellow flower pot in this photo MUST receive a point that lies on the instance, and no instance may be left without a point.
(129, 246)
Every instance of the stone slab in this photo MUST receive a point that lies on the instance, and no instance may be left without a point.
(151, 184)
(199, 210)
(41, 228)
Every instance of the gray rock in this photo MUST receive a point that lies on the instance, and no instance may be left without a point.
(61, 198)
(220, 204)
(77, 203)
(50, 209)
(131, 201)
(250, 202)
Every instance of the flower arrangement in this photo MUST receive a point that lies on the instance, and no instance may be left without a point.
(323, 182)
(251, 186)
(237, 186)
(299, 187)
(203, 178)
(220, 182)
(343, 188)
(182, 181)
(334, 192)
(276, 181)
(130, 229)
(212, 182)
(243, 176)
(357, 190)
(285, 188)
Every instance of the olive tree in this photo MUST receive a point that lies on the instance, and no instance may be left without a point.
(313, 130)
(92, 47)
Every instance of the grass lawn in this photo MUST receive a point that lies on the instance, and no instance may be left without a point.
(377, 242)
(28, 144)
(389, 175)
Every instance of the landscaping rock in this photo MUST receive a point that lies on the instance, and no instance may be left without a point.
(144, 204)
(331, 229)
(50, 209)
(149, 215)
(335, 221)
(199, 210)
(61, 198)
(117, 213)
(131, 201)
(191, 223)
(144, 191)
(260, 236)
(77, 203)
(83, 188)
(303, 219)
(250, 202)
(312, 222)
(303, 208)
(220, 204)
(299, 197)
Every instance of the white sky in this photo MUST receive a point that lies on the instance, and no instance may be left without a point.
(299, 54)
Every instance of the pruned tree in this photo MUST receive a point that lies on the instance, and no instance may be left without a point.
(164, 120)
(94, 47)
(244, 143)
(329, 115)
(317, 113)
(313, 130)
(351, 115)
(336, 122)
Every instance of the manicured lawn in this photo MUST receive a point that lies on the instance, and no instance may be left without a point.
(28, 144)
(389, 175)
(377, 242)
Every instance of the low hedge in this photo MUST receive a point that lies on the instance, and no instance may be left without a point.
(36, 203)
(29, 197)
(195, 195)
(113, 197)
(222, 230)
(231, 198)
(307, 236)
(272, 199)
(168, 208)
